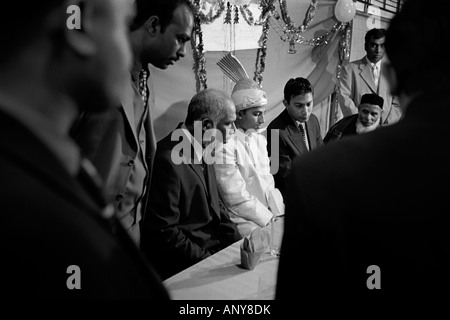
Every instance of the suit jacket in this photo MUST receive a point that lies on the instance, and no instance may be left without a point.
(185, 222)
(344, 127)
(50, 221)
(357, 80)
(110, 141)
(397, 219)
(291, 143)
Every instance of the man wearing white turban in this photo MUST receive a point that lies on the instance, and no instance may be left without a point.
(245, 183)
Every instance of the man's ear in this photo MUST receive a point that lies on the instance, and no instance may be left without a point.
(207, 124)
(285, 102)
(81, 40)
(152, 25)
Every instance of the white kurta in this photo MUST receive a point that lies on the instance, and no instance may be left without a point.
(245, 183)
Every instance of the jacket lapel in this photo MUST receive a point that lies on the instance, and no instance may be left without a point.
(292, 133)
(296, 138)
(212, 188)
(366, 75)
(311, 134)
(128, 101)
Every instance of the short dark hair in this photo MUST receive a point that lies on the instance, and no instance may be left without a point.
(208, 103)
(375, 34)
(163, 9)
(297, 86)
(417, 34)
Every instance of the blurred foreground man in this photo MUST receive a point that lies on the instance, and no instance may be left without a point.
(391, 240)
(59, 238)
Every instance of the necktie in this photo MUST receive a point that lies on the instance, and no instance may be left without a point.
(303, 131)
(376, 74)
(143, 89)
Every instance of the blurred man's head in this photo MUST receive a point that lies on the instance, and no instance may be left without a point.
(298, 99)
(374, 44)
(369, 113)
(415, 46)
(88, 66)
(215, 111)
(161, 30)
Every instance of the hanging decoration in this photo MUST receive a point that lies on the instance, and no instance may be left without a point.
(236, 15)
(292, 34)
(267, 10)
(227, 19)
(213, 12)
(345, 10)
(282, 24)
(261, 55)
(197, 46)
(344, 56)
(240, 2)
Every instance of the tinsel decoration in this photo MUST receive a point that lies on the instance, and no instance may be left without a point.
(267, 10)
(211, 16)
(261, 55)
(344, 56)
(197, 47)
(290, 27)
(236, 15)
(324, 39)
(227, 19)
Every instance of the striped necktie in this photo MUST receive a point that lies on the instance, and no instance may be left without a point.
(143, 89)
(302, 128)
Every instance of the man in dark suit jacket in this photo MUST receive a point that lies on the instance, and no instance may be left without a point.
(391, 239)
(298, 128)
(185, 221)
(59, 239)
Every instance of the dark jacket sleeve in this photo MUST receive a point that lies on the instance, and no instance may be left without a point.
(163, 241)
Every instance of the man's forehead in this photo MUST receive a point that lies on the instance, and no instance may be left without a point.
(182, 17)
(378, 40)
(371, 107)
(302, 98)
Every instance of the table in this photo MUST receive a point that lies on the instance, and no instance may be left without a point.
(220, 277)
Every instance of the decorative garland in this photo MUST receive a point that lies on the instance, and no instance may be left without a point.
(261, 55)
(344, 55)
(287, 32)
(197, 46)
(267, 10)
(290, 27)
(210, 16)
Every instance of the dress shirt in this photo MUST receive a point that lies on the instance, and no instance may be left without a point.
(372, 66)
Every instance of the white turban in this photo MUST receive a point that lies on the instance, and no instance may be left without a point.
(249, 98)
